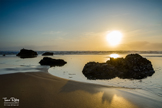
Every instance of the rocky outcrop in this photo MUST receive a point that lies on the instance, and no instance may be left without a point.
(47, 54)
(93, 70)
(52, 62)
(134, 66)
(25, 53)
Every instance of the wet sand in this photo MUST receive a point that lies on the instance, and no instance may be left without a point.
(42, 90)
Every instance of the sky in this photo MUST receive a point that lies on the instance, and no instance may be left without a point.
(80, 25)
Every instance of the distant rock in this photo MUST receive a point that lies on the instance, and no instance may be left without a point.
(4, 55)
(134, 66)
(52, 62)
(47, 54)
(25, 53)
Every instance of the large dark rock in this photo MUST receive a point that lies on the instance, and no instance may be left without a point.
(47, 54)
(133, 66)
(52, 62)
(93, 70)
(25, 53)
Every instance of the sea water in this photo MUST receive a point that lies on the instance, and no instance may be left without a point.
(75, 64)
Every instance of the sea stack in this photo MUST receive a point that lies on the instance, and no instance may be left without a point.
(134, 66)
(25, 53)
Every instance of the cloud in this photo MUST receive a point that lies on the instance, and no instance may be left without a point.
(142, 45)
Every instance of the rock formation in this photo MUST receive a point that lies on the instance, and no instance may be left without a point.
(52, 62)
(25, 53)
(134, 66)
(47, 54)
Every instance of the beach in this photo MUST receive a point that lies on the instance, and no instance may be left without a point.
(80, 53)
(42, 90)
(38, 86)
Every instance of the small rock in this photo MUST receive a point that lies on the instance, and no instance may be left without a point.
(52, 62)
(47, 54)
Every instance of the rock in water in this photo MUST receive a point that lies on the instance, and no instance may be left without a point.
(133, 66)
(47, 54)
(137, 67)
(25, 53)
(52, 62)
(93, 70)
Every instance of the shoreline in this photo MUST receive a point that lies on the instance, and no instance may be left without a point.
(41, 89)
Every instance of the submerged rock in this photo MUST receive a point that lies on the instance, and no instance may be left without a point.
(47, 54)
(52, 62)
(25, 53)
(134, 66)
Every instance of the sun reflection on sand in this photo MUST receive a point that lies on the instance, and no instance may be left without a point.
(103, 97)
(120, 102)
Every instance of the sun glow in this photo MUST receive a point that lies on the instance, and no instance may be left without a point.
(114, 38)
(114, 55)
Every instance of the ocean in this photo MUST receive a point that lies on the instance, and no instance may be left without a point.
(76, 60)
(85, 52)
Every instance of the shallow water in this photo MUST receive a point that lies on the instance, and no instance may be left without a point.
(73, 70)
(75, 63)
(13, 64)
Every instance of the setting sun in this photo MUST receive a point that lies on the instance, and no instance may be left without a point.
(114, 38)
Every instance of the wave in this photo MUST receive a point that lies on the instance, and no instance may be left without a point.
(85, 52)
